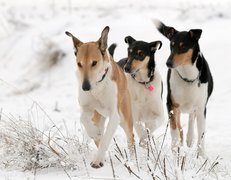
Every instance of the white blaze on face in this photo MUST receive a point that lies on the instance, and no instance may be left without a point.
(141, 69)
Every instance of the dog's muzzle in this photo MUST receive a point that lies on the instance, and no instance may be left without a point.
(86, 85)
(127, 68)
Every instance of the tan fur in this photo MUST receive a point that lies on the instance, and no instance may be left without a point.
(87, 53)
(105, 76)
(124, 101)
(97, 119)
(183, 58)
(175, 119)
(136, 64)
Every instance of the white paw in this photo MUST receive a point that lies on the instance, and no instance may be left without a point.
(201, 152)
(143, 143)
(96, 165)
(189, 141)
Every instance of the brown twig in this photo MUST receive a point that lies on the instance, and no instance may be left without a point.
(137, 163)
(158, 157)
(112, 166)
(127, 167)
(118, 148)
(202, 166)
(152, 173)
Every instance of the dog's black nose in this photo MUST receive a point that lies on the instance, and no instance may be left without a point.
(127, 68)
(169, 63)
(86, 85)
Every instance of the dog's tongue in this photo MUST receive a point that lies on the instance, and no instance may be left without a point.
(150, 88)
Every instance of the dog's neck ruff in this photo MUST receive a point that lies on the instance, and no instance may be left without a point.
(104, 75)
(191, 80)
(151, 77)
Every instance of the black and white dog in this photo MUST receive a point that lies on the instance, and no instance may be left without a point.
(189, 82)
(144, 84)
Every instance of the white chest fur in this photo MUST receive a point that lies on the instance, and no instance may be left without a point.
(103, 98)
(146, 104)
(189, 95)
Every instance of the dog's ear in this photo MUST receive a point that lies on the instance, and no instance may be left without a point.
(195, 33)
(76, 42)
(129, 40)
(167, 31)
(103, 40)
(155, 45)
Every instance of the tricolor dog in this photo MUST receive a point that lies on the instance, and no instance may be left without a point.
(103, 93)
(145, 86)
(189, 82)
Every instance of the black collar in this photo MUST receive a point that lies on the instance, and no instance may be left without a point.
(104, 75)
(186, 79)
(145, 82)
(192, 80)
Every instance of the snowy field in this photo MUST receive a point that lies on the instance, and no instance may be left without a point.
(38, 87)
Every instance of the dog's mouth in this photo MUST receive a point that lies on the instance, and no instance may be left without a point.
(134, 72)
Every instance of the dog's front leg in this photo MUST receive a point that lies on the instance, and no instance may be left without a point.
(106, 139)
(201, 131)
(88, 119)
(190, 133)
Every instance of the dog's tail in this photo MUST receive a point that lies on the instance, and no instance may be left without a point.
(111, 49)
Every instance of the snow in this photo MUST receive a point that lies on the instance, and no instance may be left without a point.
(30, 32)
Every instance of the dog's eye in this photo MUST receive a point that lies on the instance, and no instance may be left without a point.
(141, 54)
(94, 63)
(79, 64)
(75, 53)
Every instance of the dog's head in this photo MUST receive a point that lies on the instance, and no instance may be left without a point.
(92, 59)
(183, 45)
(140, 55)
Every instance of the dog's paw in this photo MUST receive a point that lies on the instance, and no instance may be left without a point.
(189, 142)
(201, 152)
(96, 165)
(143, 143)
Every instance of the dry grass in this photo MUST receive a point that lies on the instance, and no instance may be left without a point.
(26, 147)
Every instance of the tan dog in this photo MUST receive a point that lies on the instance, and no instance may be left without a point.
(102, 93)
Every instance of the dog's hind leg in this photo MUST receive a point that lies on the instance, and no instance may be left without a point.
(127, 123)
(190, 133)
(201, 121)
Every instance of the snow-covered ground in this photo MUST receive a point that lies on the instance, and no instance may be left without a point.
(37, 69)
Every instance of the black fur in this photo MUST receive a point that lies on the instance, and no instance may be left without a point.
(188, 40)
(122, 62)
(169, 100)
(111, 49)
(138, 50)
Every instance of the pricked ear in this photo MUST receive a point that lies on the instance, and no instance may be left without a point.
(76, 42)
(103, 40)
(129, 40)
(167, 31)
(155, 45)
(195, 33)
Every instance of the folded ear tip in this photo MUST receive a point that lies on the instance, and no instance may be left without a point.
(126, 39)
(107, 28)
(160, 44)
(68, 33)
